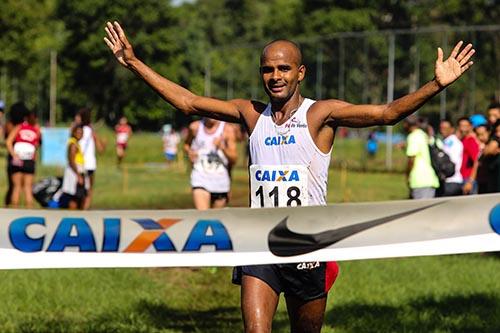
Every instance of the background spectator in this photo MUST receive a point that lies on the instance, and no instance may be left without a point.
(123, 132)
(2, 118)
(454, 148)
(22, 144)
(493, 114)
(88, 143)
(75, 182)
(16, 116)
(422, 179)
(171, 140)
(470, 157)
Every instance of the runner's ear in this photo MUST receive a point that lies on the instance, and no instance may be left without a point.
(302, 72)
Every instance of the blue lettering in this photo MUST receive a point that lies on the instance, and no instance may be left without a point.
(163, 243)
(18, 237)
(280, 140)
(265, 176)
(258, 175)
(294, 176)
(199, 236)
(84, 238)
(111, 239)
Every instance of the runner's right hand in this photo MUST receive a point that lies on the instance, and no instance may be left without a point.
(118, 43)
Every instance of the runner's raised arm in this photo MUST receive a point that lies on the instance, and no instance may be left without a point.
(171, 92)
(340, 113)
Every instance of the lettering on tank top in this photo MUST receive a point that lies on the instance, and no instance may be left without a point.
(280, 140)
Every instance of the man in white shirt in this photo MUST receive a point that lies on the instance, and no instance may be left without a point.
(454, 148)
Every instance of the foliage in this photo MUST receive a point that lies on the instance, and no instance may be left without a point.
(183, 41)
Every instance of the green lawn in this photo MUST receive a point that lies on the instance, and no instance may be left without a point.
(459, 293)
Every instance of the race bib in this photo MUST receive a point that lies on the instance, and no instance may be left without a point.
(24, 150)
(278, 186)
(122, 137)
(210, 162)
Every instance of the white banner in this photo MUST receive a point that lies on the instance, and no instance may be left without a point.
(244, 236)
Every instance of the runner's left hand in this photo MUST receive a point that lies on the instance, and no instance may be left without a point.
(449, 70)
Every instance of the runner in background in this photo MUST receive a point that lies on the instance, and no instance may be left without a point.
(89, 143)
(171, 140)
(16, 115)
(22, 144)
(211, 147)
(123, 132)
(75, 182)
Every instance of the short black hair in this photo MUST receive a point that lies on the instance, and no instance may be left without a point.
(494, 105)
(85, 115)
(18, 111)
(464, 118)
(447, 120)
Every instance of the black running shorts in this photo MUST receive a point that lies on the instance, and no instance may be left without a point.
(306, 281)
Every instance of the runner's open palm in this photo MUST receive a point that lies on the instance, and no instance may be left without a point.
(118, 43)
(451, 69)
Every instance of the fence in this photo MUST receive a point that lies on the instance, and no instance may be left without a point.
(372, 67)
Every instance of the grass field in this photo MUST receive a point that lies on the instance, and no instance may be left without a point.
(459, 293)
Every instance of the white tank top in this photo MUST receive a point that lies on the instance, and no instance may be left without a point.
(210, 170)
(286, 167)
(87, 144)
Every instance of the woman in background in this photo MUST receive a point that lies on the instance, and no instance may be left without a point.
(75, 182)
(22, 144)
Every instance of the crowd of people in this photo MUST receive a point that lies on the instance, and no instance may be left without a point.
(472, 145)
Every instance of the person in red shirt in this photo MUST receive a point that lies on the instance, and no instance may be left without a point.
(470, 160)
(22, 144)
(123, 132)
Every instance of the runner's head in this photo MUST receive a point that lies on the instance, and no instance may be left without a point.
(31, 117)
(77, 131)
(281, 69)
(85, 116)
(18, 112)
(209, 122)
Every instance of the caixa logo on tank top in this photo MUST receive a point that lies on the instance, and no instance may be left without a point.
(280, 140)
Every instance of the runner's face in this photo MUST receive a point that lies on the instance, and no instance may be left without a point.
(281, 73)
(78, 133)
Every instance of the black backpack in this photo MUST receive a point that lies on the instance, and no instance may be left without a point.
(441, 162)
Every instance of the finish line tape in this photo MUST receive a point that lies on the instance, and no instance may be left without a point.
(244, 236)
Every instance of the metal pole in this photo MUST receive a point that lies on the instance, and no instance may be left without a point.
(442, 95)
(53, 88)
(366, 68)
(472, 89)
(390, 98)
(319, 72)
(3, 85)
(230, 86)
(341, 68)
(208, 77)
(254, 90)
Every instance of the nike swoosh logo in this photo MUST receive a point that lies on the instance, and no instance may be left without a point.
(283, 242)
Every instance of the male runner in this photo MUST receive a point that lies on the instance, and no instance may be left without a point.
(211, 147)
(296, 134)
